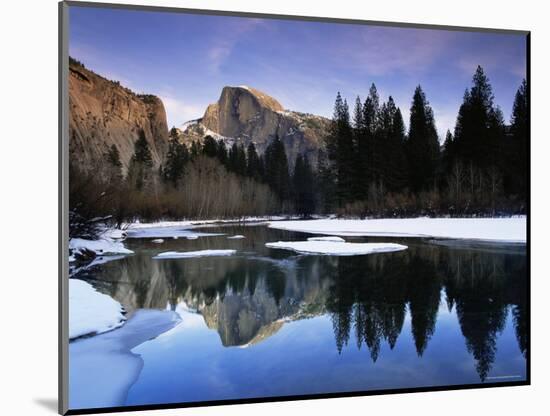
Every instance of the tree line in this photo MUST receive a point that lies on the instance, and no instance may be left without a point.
(202, 180)
(372, 166)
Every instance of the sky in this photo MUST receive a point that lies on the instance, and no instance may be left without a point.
(187, 59)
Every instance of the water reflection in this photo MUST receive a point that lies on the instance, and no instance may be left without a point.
(247, 298)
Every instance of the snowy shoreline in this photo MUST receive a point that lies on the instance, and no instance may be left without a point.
(91, 312)
(509, 230)
(505, 230)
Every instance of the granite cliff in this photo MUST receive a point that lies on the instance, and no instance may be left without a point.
(244, 114)
(103, 113)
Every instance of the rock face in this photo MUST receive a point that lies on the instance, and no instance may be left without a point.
(244, 114)
(103, 113)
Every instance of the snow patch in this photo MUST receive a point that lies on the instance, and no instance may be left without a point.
(91, 312)
(103, 246)
(333, 248)
(114, 234)
(187, 124)
(157, 241)
(236, 237)
(513, 230)
(191, 254)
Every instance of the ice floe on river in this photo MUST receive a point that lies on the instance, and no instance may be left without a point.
(335, 248)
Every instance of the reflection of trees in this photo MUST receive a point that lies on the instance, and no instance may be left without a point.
(275, 282)
(424, 296)
(477, 284)
(516, 295)
(520, 313)
(368, 293)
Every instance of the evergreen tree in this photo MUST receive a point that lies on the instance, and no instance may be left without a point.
(142, 153)
(358, 114)
(114, 165)
(209, 147)
(303, 187)
(253, 163)
(393, 169)
(173, 133)
(176, 159)
(261, 167)
(367, 148)
(341, 152)
(447, 152)
(519, 131)
(479, 144)
(221, 152)
(232, 158)
(237, 159)
(113, 157)
(326, 182)
(358, 138)
(141, 163)
(422, 145)
(479, 127)
(276, 169)
(241, 157)
(195, 149)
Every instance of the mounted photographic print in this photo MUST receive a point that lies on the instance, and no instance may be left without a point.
(259, 208)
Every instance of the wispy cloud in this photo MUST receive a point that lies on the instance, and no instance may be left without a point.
(177, 110)
(382, 50)
(496, 53)
(225, 41)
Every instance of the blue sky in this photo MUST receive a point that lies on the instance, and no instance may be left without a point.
(187, 59)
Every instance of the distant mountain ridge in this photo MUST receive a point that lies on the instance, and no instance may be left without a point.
(104, 113)
(244, 114)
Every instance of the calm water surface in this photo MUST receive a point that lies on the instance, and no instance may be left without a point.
(270, 322)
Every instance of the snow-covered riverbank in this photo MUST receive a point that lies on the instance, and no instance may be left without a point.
(510, 230)
(104, 246)
(91, 312)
